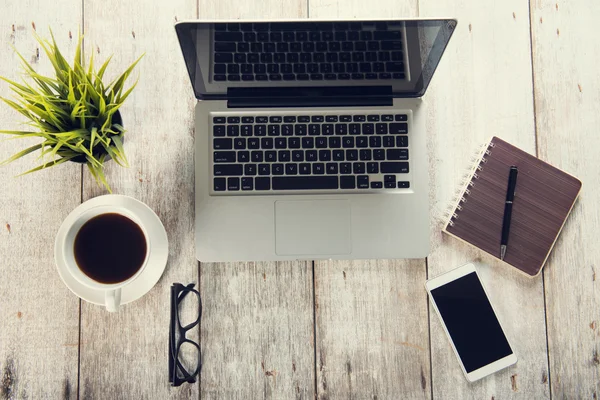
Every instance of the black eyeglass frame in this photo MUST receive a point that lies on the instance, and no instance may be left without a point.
(178, 292)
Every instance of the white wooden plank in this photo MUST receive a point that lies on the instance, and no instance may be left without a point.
(371, 316)
(39, 329)
(258, 318)
(124, 355)
(257, 331)
(565, 55)
(483, 88)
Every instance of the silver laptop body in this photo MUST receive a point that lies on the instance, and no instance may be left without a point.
(310, 137)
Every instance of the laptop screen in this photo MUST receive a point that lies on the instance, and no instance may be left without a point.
(401, 54)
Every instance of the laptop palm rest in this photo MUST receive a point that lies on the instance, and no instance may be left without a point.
(313, 227)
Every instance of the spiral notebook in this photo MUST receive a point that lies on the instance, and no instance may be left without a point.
(544, 198)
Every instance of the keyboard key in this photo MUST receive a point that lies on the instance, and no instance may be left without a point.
(348, 142)
(262, 183)
(401, 117)
(394, 167)
(287, 130)
(228, 169)
(389, 178)
(372, 168)
(317, 118)
(362, 182)
(222, 144)
(335, 142)
(284, 155)
(260, 130)
(321, 143)
(273, 130)
(275, 77)
(347, 182)
(397, 128)
(345, 168)
(289, 77)
(266, 143)
(304, 118)
(386, 35)
(291, 169)
(262, 120)
(388, 141)
(219, 120)
(378, 154)
(264, 169)
(304, 169)
(362, 141)
(219, 184)
(250, 169)
(228, 37)
(223, 57)
(224, 156)
(246, 130)
(239, 144)
(318, 168)
(401, 141)
(281, 143)
(331, 168)
(373, 118)
(275, 120)
(358, 168)
(376, 185)
(316, 77)
(220, 77)
(294, 143)
(277, 169)
(270, 156)
(256, 156)
(338, 155)
(305, 182)
(289, 119)
(354, 129)
(308, 143)
(233, 130)
(390, 185)
(387, 117)
(311, 155)
(300, 129)
(314, 129)
(327, 129)
(403, 185)
(341, 129)
(375, 141)
(233, 78)
(331, 118)
(247, 183)
(359, 118)
(346, 118)
(233, 120)
(397, 154)
(365, 155)
(219, 130)
(368, 129)
(297, 155)
(324, 155)
(351, 155)
(381, 129)
(253, 143)
(243, 156)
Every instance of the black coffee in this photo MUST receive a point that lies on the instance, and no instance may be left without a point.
(110, 248)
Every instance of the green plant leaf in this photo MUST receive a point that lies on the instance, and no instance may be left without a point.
(22, 153)
(46, 165)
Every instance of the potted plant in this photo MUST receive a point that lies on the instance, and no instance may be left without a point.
(74, 113)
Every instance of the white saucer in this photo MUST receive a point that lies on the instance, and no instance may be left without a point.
(158, 253)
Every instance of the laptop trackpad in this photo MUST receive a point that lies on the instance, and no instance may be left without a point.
(319, 227)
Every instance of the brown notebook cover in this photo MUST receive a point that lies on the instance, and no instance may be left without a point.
(544, 197)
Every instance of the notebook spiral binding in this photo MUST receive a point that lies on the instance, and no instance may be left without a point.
(477, 164)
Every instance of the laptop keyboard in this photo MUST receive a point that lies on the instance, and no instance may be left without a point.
(308, 51)
(261, 153)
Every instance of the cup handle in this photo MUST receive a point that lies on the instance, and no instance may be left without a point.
(112, 300)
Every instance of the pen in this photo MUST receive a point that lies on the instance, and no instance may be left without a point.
(510, 195)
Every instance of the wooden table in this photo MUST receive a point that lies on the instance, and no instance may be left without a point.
(326, 329)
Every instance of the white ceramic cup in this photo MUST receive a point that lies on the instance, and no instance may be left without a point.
(112, 291)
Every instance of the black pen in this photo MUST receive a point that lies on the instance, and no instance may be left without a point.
(510, 196)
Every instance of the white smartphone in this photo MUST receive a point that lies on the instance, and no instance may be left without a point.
(470, 322)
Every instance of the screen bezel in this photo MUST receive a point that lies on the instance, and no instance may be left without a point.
(488, 369)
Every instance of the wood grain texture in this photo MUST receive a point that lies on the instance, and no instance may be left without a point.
(483, 88)
(566, 97)
(124, 355)
(39, 316)
(371, 316)
(257, 331)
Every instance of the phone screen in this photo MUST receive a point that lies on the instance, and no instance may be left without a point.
(471, 322)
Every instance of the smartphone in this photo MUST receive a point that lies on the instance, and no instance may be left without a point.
(470, 322)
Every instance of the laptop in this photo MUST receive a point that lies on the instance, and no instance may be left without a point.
(310, 137)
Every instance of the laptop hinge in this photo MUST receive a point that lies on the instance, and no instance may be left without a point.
(322, 96)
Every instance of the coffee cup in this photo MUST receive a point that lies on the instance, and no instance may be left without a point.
(106, 248)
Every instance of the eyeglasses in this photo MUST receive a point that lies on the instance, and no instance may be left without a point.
(184, 354)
